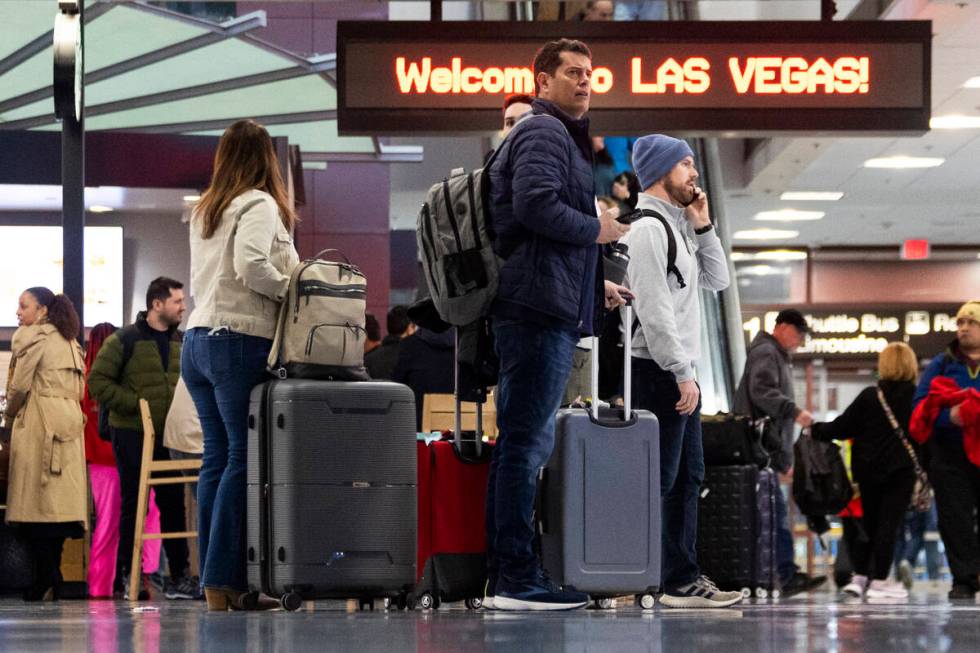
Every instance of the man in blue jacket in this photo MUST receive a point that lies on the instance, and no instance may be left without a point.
(551, 293)
(954, 478)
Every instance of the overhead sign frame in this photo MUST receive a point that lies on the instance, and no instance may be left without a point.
(692, 78)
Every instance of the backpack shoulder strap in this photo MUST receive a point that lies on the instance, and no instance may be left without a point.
(671, 245)
(127, 338)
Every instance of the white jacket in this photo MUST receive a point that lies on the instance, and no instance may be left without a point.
(670, 316)
(240, 275)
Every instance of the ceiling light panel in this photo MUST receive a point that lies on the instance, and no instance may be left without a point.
(765, 234)
(811, 196)
(955, 122)
(904, 162)
(789, 215)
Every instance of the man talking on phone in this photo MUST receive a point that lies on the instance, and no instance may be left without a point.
(667, 343)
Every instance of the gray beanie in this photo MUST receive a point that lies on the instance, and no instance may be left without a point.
(656, 155)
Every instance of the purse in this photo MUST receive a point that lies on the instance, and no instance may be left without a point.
(922, 492)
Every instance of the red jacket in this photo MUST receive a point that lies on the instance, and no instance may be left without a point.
(944, 393)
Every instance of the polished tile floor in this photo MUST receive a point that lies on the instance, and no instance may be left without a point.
(820, 622)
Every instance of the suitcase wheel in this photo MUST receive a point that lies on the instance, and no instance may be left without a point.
(291, 601)
(776, 594)
(401, 601)
(429, 602)
(368, 604)
(747, 592)
(475, 603)
(602, 604)
(647, 601)
(761, 593)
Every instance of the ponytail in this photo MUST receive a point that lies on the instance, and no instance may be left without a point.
(62, 314)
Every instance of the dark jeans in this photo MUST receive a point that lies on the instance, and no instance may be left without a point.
(535, 362)
(884, 504)
(785, 555)
(681, 469)
(957, 485)
(220, 371)
(128, 447)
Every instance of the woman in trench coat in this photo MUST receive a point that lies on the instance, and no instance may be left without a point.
(48, 489)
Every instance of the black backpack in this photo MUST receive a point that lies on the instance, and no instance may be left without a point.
(820, 483)
(128, 338)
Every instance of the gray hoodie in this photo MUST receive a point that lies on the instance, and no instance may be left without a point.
(670, 316)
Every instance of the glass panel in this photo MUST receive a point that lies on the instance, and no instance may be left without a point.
(124, 33)
(23, 22)
(311, 93)
(716, 395)
(224, 60)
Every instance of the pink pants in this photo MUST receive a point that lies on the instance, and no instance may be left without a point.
(105, 537)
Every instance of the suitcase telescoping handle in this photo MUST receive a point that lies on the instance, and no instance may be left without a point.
(627, 369)
(458, 426)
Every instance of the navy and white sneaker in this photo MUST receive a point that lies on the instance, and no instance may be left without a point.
(539, 594)
(702, 593)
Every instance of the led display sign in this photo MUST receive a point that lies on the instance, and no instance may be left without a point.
(681, 77)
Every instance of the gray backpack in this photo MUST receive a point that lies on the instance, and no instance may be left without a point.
(456, 242)
(455, 236)
(321, 328)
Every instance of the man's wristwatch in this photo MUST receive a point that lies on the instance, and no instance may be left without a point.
(705, 229)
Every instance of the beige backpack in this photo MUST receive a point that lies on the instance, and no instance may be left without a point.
(320, 333)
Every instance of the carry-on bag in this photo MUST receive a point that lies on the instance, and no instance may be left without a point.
(599, 498)
(737, 529)
(331, 490)
(452, 482)
(729, 439)
(320, 333)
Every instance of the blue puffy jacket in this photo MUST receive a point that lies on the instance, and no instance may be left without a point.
(542, 205)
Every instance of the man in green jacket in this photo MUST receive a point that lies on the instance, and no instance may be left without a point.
(142, 361)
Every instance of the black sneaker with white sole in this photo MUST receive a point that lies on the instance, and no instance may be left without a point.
(184, 587)
(537, 595)
(702, 593)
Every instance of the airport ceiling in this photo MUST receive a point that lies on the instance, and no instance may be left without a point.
(149, 69)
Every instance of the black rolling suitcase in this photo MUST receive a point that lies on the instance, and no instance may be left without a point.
(599, 500)
(331, 490)
(737, 529)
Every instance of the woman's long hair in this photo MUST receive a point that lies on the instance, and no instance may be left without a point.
(61, 312)
(245, 160)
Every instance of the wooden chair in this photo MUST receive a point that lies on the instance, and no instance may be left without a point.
(147, 467)
(439, 414)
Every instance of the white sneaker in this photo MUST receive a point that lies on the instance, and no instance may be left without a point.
(702, 593)
(885, 589)
(856, 587)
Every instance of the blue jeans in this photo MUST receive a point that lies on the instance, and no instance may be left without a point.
(785, 555)
(220, 371)
(535, 362)
(681, 469)
(912, 539)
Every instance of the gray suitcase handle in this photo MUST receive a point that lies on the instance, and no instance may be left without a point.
(627, 370)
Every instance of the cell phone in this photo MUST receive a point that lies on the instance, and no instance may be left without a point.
(694, 198)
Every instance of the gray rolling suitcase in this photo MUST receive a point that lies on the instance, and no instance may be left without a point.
(331, 490)
(599, 499)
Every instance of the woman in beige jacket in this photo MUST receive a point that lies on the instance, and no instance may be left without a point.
(48, 489)
(241, 258)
